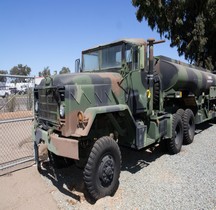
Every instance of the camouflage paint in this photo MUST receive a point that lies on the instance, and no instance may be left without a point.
(179, 76)
(58, 145)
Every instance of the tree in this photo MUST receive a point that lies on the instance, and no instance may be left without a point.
(40, 74)
(190, 26)
(64, 70)
(2, 78)
(20, 70)
(45, 72)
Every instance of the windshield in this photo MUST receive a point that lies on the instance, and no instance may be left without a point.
(91, 61)
(110, 57)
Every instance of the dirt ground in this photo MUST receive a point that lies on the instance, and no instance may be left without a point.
(24, 189)
(28, 189)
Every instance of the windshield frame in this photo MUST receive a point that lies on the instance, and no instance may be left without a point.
(105, 54)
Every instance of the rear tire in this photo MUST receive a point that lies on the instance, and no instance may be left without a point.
(102, 170)
(174, 144)
(180, 112)
(188, 126)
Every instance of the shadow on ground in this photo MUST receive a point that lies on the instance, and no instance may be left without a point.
(69, 181)
(134, 161)
(203, 126)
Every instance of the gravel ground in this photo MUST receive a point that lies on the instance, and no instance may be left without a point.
(150, 179)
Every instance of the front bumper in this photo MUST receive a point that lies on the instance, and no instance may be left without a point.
(61, 146)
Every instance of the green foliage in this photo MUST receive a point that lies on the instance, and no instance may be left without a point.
(45, 72)
(40, 74)
(29, 99)
(190, 25)
(11, 104)
(3, 79)
(20, 70)
(64, 70)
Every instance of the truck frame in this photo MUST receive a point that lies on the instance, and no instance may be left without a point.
(120, 95)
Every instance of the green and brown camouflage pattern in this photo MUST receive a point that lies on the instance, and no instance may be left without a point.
(196, 85)
(132, 104)
(183, 77)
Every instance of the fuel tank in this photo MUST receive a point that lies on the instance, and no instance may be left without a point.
(183, 77)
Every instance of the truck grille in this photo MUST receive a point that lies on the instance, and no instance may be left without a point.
(48, 104)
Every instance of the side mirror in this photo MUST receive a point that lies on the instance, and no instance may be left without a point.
(77, 65)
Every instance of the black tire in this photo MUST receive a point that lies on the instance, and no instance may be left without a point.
(174, 144)
(101, 173)
(180, 112)
(188, 126)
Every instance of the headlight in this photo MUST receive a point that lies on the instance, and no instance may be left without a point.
(36, 106)
(62, 110)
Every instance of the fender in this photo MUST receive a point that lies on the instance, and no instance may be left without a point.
(90, 115)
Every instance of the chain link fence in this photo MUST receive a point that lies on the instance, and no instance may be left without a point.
(16, 121)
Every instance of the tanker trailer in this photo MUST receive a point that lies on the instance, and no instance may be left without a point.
(181, 76)
(185, 89)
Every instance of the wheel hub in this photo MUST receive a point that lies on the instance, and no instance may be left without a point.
(106, 170)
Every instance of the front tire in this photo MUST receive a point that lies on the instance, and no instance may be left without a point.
(103, 167)
(174, 144)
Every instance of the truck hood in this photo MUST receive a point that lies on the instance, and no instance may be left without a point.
(82, 79)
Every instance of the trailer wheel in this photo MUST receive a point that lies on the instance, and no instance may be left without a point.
(175, 143)
(180, 112)
(102, 170)
(188, 126)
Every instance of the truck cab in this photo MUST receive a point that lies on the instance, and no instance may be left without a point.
(119, 56)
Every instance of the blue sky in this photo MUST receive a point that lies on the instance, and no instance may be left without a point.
(41, 33)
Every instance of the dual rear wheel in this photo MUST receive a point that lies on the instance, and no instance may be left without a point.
(183, 130)
(188, 121)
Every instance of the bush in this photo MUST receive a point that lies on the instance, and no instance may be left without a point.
(11, 104)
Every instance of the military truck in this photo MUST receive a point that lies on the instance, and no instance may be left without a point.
(120, 94)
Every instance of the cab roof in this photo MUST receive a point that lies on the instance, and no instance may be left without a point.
(136, 41)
